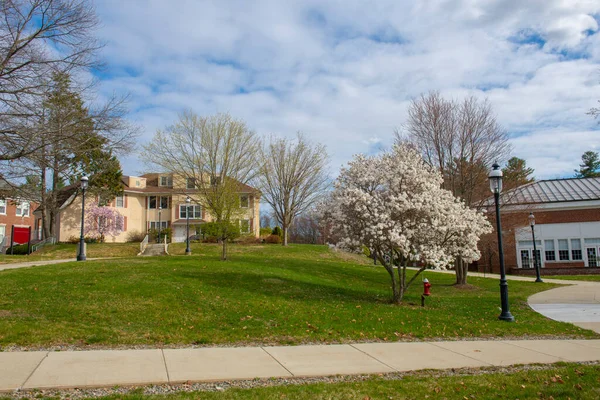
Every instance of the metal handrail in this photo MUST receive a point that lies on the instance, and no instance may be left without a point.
(143, 244)
(39, 245)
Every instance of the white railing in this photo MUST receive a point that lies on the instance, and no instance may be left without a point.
(39, 245)
(143, 244)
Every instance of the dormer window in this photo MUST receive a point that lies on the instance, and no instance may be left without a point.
(165, 180)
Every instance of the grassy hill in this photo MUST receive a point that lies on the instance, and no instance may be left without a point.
(262, 295)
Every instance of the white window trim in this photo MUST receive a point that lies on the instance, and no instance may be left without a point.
(3, 204)
(20, 207)
(192, 211)
(122, 201)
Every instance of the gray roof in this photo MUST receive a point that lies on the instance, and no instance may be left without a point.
(553, 191)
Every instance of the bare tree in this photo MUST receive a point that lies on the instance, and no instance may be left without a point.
(38, 37)
(218, 153)
(462, 139)
(293, 176)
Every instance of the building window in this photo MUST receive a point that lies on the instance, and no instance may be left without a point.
(137, 183)
(2, 232)
(154, 225)
(191, 183)
(23, 209)
(245, 226)
(119, 201)
(576, 254)
(152, 202)
(164, 181)
(244, 201)
(563, 249)
(3, 207)
(164, 202)
(195, 211)
(549, 250)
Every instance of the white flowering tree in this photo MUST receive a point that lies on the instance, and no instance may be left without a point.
(103, 221)
(394, 205)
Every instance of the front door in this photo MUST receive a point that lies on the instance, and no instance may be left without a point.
(526, 259)
(592, 255)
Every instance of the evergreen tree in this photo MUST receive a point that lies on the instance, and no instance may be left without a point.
(516, 173)
(590, 165)
(82, 151)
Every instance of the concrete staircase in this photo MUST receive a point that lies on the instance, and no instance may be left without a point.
(154, 249)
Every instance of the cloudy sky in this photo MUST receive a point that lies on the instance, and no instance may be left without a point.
(343, 72)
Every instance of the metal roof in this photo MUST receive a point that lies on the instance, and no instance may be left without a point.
(553, 191)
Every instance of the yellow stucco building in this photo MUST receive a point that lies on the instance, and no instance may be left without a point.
(154, 200)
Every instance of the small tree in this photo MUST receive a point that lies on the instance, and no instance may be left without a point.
(394, 205)
(293, 176)
(103, 221)
(590, 165)
(219, 154)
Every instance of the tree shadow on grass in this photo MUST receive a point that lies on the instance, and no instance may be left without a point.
(285, 288)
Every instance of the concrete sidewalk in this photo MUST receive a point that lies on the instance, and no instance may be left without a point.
(102, 368)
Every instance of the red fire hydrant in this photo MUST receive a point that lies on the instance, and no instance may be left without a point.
(426, 291)
(426, 287)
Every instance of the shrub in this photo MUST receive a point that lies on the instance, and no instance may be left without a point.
(218, 230)
(273, 239)
(18, 249)
(135, 236)
(153, 234)
(73, 239)
(277, 231)
(248, 239)
(265, 231)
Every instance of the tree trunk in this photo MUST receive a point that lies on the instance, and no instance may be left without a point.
(224, 253)
(284, 229)
(461, 269)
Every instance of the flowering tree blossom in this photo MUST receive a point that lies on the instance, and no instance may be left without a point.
(394, 204)
(103, 221)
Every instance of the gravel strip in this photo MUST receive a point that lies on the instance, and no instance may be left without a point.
(76, 394)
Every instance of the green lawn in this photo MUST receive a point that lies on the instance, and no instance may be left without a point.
(595, 278)
(567, 381)
(262, 295)
(63, 251)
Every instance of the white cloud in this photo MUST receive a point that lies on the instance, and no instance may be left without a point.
(344, 72)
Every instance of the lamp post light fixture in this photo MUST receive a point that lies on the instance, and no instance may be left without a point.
(536, 262)
(84, 186)
(496, 187)
(159, 223)
(188, 251)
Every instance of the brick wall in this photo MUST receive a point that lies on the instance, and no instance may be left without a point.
(10, 218)
(512, 220)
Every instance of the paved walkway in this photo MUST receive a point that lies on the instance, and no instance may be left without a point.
(36, 263)
(70, 369)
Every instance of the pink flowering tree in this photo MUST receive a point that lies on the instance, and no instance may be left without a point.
(394, 205)
(103, 221)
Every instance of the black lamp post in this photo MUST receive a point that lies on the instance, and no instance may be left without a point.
(536, 262)
(159, 223)
(496, 187)
(188, 251)
(81, 254)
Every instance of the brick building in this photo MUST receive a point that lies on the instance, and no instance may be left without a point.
(18, 213)
(567, 228)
